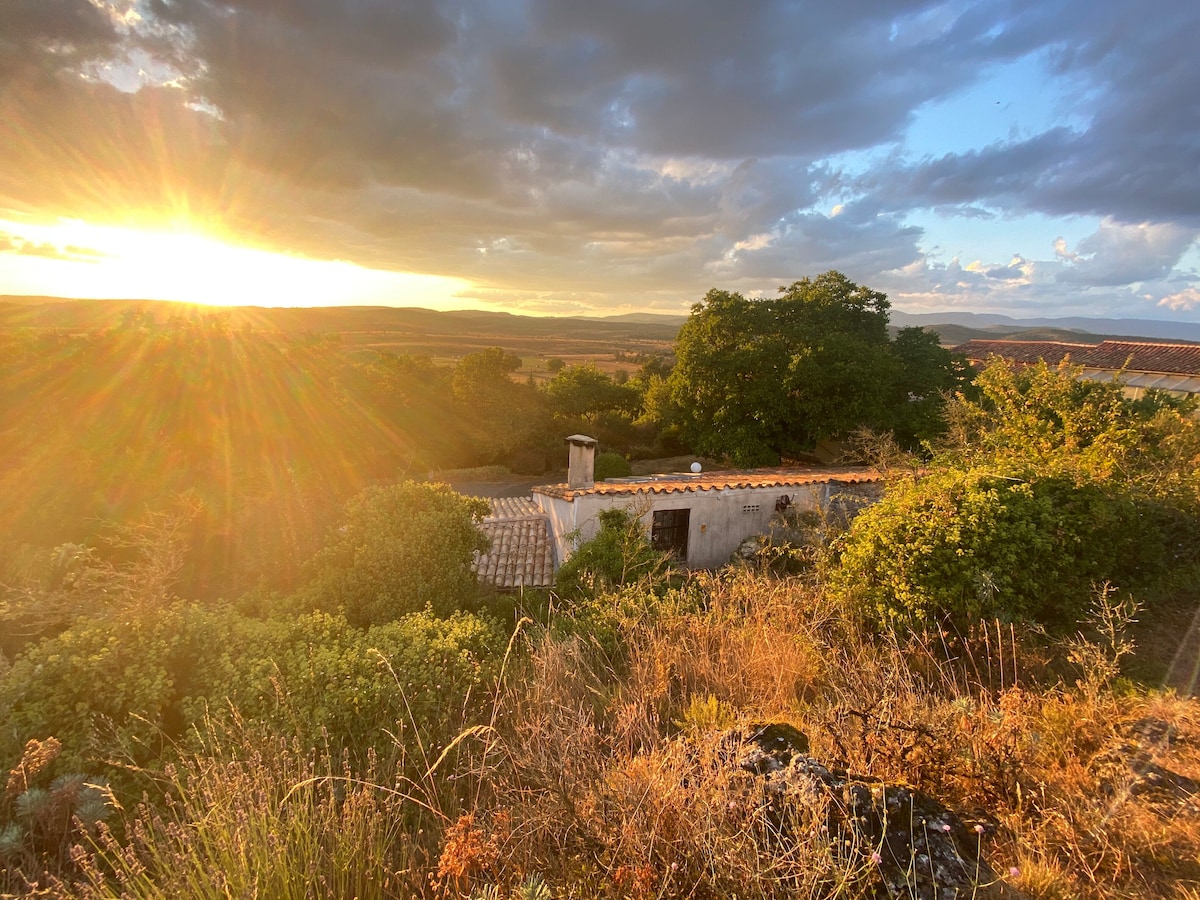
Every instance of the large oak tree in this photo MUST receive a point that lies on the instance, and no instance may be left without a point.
(760, 378)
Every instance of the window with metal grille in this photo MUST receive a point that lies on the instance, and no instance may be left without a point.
(669, 531)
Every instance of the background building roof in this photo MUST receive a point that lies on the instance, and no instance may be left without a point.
(1134, 356)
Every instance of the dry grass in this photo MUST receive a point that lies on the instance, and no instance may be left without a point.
(605, 771)
(612, 783)
(255, 815)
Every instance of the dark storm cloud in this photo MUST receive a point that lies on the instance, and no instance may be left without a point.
(581, 150)
(1136, 159)
(47, 36)
(335, 94)
(733, 80)
(60, 27)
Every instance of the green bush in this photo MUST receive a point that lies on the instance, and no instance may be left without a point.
(612, 465)
(323, 680)
(1045, 487)
(961, 546)
(117, 669)
(620, 553)
(138, 684)
(400, 548)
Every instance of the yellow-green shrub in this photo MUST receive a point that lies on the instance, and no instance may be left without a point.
(400, 548)
(962, 546)
(317, 677)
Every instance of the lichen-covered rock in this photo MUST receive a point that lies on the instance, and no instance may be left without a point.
(919, 849)
(1130, 767)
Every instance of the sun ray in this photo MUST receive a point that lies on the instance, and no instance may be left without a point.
(199, 263)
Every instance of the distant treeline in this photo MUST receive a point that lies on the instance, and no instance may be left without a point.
(260, 436)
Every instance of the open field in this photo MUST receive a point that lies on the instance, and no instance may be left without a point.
(613, 344)
(611, 351)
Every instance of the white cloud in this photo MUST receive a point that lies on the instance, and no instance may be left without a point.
(1182, 301)
(1120, 254)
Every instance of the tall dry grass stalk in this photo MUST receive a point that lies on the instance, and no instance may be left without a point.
(603, 770)
(254, 815)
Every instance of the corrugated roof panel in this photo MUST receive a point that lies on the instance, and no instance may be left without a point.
(1185, 383)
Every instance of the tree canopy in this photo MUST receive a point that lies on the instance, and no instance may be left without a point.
(505, 415)
(585, 393)
(759, 378)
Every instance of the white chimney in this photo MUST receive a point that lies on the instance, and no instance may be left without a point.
(581, 462)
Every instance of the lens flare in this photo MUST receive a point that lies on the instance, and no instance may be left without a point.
(190, 264)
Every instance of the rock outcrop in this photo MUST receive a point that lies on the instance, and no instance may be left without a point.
(916, 847)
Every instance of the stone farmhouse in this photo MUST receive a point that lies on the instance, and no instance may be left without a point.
(701, 518)
(1174, 368)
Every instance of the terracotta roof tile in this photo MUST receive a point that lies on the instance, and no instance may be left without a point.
(513, 508)
(1173, 359)
(521, 553)
(1134, 356)
(715, 481)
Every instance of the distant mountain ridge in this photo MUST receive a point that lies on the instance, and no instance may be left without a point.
(995, 323)
(953, 327)
(956, 327)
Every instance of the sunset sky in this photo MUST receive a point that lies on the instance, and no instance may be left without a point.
(1037, 158)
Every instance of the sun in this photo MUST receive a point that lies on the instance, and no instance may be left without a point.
(183, 262)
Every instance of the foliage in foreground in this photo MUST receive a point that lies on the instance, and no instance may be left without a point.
(379, 661)
(253, 813)
(315, 677)
(957, 547)
(606, 775)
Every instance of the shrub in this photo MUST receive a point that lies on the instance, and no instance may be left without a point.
(1036, 421)
(119, 669)
(401, 548)
(316, 677)
(619, 554)
(612, 465)
(321, 679)
(961, 546)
